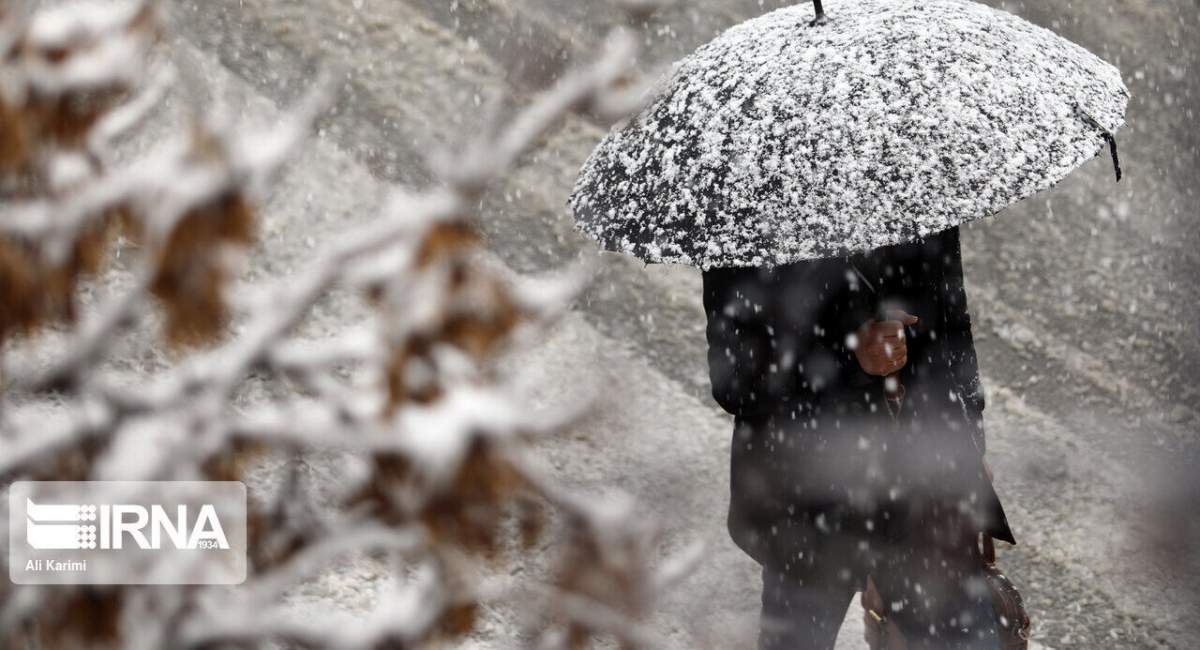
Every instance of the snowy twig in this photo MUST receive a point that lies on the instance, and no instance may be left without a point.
(416, 397)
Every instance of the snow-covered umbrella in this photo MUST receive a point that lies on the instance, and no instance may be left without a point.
(798, 135)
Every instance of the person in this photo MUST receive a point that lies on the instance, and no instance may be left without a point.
(858, 446)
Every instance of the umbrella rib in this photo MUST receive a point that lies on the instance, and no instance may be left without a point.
(1108, 137)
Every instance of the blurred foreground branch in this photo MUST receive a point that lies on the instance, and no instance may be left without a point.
(415, 396)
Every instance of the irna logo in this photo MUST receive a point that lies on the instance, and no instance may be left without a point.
(127, 532)
(87, 526)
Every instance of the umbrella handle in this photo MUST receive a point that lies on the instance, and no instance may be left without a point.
(892, 387)
(893, 395)
(820, 19)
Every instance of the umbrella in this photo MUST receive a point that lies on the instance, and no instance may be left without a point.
(799, 135)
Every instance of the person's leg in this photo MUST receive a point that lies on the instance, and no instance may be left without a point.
(801, 617)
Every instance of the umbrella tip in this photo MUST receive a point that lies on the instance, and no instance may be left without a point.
(820, 11)
(1108, 136)
(1112, 149)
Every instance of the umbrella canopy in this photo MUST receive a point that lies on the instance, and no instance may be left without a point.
(789, 138)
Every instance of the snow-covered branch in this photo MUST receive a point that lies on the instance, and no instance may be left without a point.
(439, 437)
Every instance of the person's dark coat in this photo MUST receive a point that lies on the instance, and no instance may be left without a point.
(821, 467)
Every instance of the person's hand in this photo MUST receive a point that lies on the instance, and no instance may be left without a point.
(881, 349)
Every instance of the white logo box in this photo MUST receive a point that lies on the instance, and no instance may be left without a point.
(127, 532)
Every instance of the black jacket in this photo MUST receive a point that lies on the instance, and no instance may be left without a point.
(819, 461)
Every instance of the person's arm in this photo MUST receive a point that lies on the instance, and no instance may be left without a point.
(960, 344)
(740, 354)
(957, 321)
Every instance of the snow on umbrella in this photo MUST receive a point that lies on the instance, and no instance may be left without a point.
(798, 136)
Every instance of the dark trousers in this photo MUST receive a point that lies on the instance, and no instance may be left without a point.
(938, 596)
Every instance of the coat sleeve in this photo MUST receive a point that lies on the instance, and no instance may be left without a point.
(960, 342)
(739, 344)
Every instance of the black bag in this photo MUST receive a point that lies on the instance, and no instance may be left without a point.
(883, 633)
